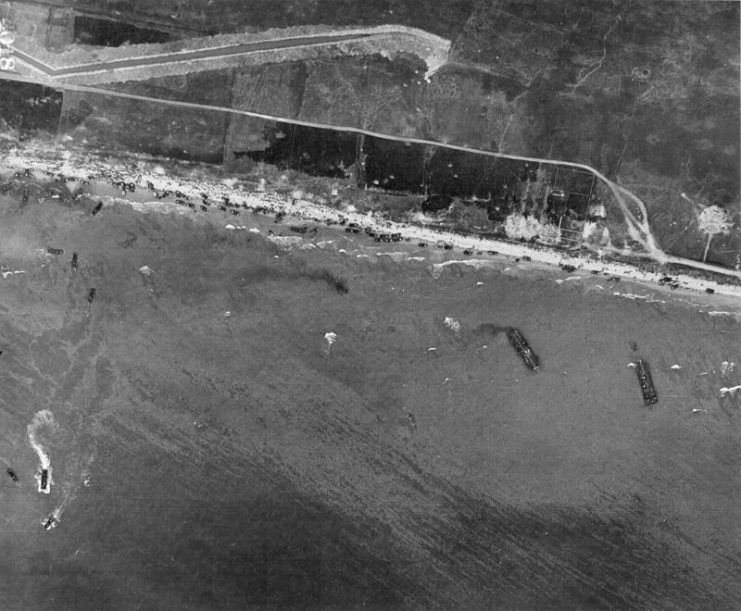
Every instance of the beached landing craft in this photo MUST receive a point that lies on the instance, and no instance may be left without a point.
(647, 386)
(519, 343)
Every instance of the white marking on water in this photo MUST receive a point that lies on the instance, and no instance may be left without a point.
(452, 324)
(41, 419)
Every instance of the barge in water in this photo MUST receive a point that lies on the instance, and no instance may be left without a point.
(520, 344)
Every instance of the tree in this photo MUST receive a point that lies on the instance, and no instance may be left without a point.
(713, 221)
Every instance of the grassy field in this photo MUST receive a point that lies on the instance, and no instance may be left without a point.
(121, 125)
(233, 461)
(223, 16)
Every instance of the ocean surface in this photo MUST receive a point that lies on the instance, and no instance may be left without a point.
(210, 448)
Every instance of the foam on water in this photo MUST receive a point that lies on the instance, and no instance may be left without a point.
(41, 420)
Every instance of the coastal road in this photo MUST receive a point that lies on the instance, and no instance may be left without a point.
(427, 46)
(188, 55)
(637, 223)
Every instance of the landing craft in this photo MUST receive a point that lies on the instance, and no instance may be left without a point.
(647, 386)
(97, 209)
(44, 482)
(519, 343)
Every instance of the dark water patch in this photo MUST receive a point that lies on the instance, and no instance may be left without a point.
(291, 272)
(561, 557)
(108, 33)
(337, 283)
(490, 329)
(223, 530)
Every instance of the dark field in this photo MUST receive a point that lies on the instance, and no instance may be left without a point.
(233, 463)
(221, 16)
(123, 125)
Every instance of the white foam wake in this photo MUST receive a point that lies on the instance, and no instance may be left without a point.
(42, 419)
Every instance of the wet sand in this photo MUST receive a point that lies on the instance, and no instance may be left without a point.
(232, 461)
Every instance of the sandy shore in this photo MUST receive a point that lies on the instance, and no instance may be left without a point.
(479, 251)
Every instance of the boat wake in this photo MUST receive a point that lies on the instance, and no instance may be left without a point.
(42, 421)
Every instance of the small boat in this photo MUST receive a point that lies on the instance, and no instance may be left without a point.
(50, 522)
(519, 343)
(647, 386)
(44, 479)
(12, 475)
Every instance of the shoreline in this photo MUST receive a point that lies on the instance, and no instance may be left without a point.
(482, 251)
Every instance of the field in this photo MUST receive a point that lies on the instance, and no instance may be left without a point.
(224, 16)
(111, 124)
(213, 450)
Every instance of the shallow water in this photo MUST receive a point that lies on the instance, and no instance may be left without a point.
(233, 462)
